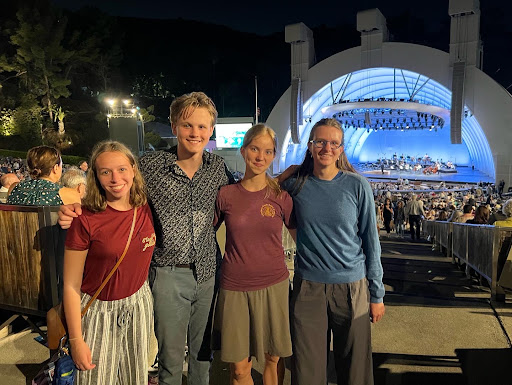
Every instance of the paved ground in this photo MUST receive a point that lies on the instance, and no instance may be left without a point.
(439, 328)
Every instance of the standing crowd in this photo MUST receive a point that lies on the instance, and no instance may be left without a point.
(398, 205)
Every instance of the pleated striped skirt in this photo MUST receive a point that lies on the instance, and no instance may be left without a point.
(118, 334)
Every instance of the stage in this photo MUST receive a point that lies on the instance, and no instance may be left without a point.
(463, 175)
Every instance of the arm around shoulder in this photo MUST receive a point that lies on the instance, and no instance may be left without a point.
(67, 213)
(286, 174)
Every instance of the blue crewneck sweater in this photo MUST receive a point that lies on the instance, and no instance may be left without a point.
(337, 239)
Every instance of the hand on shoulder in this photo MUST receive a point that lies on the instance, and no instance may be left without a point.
(67, 213)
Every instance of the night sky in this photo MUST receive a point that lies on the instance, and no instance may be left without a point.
(264, 16)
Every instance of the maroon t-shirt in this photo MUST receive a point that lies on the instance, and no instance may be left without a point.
(105, 235)
(254, 257)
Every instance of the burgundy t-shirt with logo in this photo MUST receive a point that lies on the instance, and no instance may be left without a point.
(254, 257)
(105, 235)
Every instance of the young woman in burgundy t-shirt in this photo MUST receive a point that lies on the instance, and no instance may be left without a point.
(110, 343)
(251, 318)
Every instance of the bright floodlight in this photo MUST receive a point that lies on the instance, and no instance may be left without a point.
(133, 110)
(111, 101)
(126, 102)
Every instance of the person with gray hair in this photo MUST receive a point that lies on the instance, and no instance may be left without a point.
(6, 181)
(73, 185)
(507, 210)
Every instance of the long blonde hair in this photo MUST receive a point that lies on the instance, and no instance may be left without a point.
(306, 168)
(96, 199)
(259, 130)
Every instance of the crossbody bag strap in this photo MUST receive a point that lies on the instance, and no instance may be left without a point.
(114, 268)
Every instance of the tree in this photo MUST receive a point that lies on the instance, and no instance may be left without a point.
(59, 118)
(95, 41)
(40, 55)
(146, 114)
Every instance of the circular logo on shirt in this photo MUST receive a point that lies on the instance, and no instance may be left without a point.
(267, 210)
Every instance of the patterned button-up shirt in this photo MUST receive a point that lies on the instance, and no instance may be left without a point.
(183, 209)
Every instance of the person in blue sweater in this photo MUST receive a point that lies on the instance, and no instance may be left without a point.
(338, 273)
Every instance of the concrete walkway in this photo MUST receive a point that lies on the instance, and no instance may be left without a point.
(439, 328)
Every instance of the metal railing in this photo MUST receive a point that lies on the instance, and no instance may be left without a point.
(483, 248)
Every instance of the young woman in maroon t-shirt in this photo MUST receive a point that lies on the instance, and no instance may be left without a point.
(251, 317)
(109, 345)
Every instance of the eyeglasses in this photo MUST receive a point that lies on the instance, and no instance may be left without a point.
(323, 143)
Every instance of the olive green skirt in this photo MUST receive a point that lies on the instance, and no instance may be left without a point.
(252, 323)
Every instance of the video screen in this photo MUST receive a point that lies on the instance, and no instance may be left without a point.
(230, 135)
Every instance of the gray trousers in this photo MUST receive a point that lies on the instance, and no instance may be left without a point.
(182, 312)
(316, 310)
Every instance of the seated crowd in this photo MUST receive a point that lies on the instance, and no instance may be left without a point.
(41, 179)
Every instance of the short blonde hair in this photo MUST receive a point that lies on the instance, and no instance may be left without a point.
(96, 199)
(185, 105)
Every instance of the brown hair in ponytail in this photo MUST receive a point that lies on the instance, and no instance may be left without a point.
(41, 160)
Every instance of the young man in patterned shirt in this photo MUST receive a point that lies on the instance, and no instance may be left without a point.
(182, 186)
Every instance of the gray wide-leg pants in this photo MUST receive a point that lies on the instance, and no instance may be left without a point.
(316, 310)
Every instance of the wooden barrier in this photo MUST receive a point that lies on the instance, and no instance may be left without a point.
(483, 248)
(31, 260)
